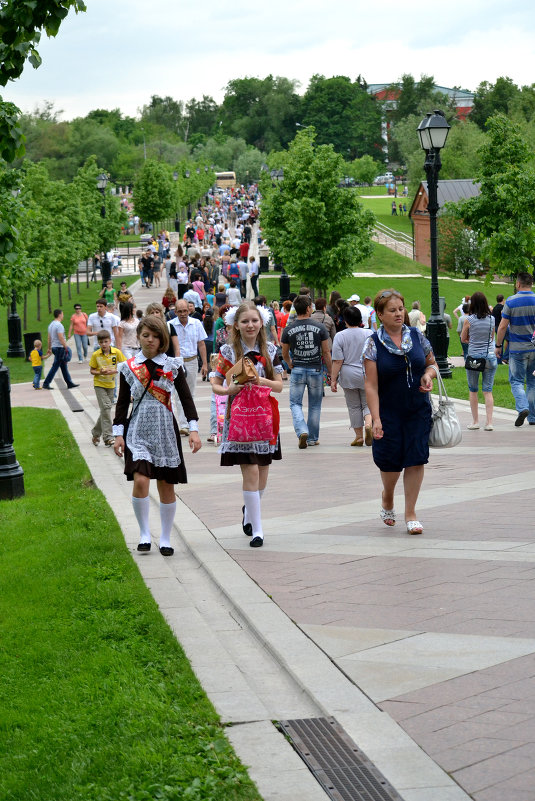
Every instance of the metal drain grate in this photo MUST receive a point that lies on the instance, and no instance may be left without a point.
(342, 769)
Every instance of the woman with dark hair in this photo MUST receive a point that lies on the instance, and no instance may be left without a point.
(400, 368)
(347, 362)
(126, 338)
(478, 333)
(149, 438)
(331, 308)
(339, 321)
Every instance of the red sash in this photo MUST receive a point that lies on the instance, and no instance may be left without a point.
(143, 376)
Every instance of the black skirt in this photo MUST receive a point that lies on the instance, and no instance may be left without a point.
(261, 459)
(172, 475)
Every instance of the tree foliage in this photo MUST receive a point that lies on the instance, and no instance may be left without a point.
(458, 248)
(344, 115)
(503, 215)
(319, 231)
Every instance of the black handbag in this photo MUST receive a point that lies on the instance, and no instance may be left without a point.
(478, 363)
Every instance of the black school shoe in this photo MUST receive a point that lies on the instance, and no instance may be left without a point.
(143, 546)
(166, 550)
(257, 542)
(247, 527)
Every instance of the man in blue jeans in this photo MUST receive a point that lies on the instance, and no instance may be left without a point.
(57, 345)
(518, 315)
(305, 349)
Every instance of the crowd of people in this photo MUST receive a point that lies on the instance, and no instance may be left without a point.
(149, 363)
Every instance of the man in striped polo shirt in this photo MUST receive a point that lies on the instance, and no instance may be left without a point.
(518, 315)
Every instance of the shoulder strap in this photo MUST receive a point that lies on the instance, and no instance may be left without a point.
(147, 387)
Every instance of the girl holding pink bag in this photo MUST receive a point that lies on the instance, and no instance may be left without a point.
(255, 410)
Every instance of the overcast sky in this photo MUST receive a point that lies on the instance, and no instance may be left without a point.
(120, 52)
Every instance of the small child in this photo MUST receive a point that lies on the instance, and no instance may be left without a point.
(36, 358)
(103, 366)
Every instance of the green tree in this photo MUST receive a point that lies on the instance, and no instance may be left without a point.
(408, 101)
(503, 215)
(344, 115)
(263, 112)
(247, 166)
(458, 248)
(491, 99)
(154, 192)
(364, 170)
(201, 116)
(166, 112)
(319, 231)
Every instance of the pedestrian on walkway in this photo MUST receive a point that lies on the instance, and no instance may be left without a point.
(400, 366)
(478, 334)
(305, 348)
(78, 324)
(518, 322)
(149, 438)
(191, 336)
(248, 339)
(57, 345)
(347, 363)
(103, 367)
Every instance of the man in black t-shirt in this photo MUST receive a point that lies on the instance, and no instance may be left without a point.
(148, 267)
(305, 348)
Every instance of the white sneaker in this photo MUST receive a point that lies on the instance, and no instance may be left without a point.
(473, 427)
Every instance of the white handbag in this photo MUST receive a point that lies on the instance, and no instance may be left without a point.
(446, 429)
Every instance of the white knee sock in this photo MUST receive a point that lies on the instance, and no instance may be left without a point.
(141, 511)
(167, 515)
(245, 515)
(252, 508)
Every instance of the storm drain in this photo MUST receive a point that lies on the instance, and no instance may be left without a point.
(344, 772)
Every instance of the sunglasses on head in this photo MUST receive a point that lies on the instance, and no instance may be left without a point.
(388, 293)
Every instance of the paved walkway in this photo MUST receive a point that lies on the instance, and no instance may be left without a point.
(422, 647)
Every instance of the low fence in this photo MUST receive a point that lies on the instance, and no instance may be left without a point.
(395, 240)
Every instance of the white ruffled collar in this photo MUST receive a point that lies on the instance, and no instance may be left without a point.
(139, 358)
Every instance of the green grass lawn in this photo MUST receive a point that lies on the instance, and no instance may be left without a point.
(20, 370)
(382, 208)
(98, 699)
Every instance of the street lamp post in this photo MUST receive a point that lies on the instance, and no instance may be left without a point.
(187, 174)
(14, 328)
(177, 218)
(102, 182)
(11, 473)
(433, 132)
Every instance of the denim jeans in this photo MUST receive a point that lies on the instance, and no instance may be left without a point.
(37, 376)
(81, 345)
(521, 367)
(487, 376)
(59, 364)
(311, 379)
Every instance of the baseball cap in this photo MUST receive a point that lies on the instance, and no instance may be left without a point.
(356, 298)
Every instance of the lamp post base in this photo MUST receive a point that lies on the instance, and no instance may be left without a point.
(14, 333)
(438, 337)
(11, 475)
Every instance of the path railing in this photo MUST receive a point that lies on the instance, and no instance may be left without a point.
(395, 240)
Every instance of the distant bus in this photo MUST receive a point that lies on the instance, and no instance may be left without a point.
(225, 180)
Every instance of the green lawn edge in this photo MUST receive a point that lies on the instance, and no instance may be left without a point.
(99, 701)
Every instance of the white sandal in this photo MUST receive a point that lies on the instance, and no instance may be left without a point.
(414, 527)
(388, 517)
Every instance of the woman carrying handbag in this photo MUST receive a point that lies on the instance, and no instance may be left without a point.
(478, 332)
(245, 363)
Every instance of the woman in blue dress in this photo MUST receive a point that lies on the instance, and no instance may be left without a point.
(400, 367)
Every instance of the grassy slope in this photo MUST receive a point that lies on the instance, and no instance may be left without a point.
(98, 700)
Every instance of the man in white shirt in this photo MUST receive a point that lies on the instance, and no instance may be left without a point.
(354, 300)
(242, 267)
(253, 274)
(193, 297)
(99, 320)
(191, 336)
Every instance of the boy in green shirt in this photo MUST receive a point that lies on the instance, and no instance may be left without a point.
(103, 367)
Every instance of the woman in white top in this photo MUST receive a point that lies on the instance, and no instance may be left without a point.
(478, 332)
(233, 295)
(126, 339)
(347, 363)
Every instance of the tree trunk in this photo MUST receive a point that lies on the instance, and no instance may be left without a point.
(39, 303)
(60, 294)
(25, 313)
(69, 287)
(49, 298)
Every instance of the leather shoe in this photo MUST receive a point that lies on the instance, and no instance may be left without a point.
(166, 550)
(143, 546)
(257, 542)
(73, 386)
